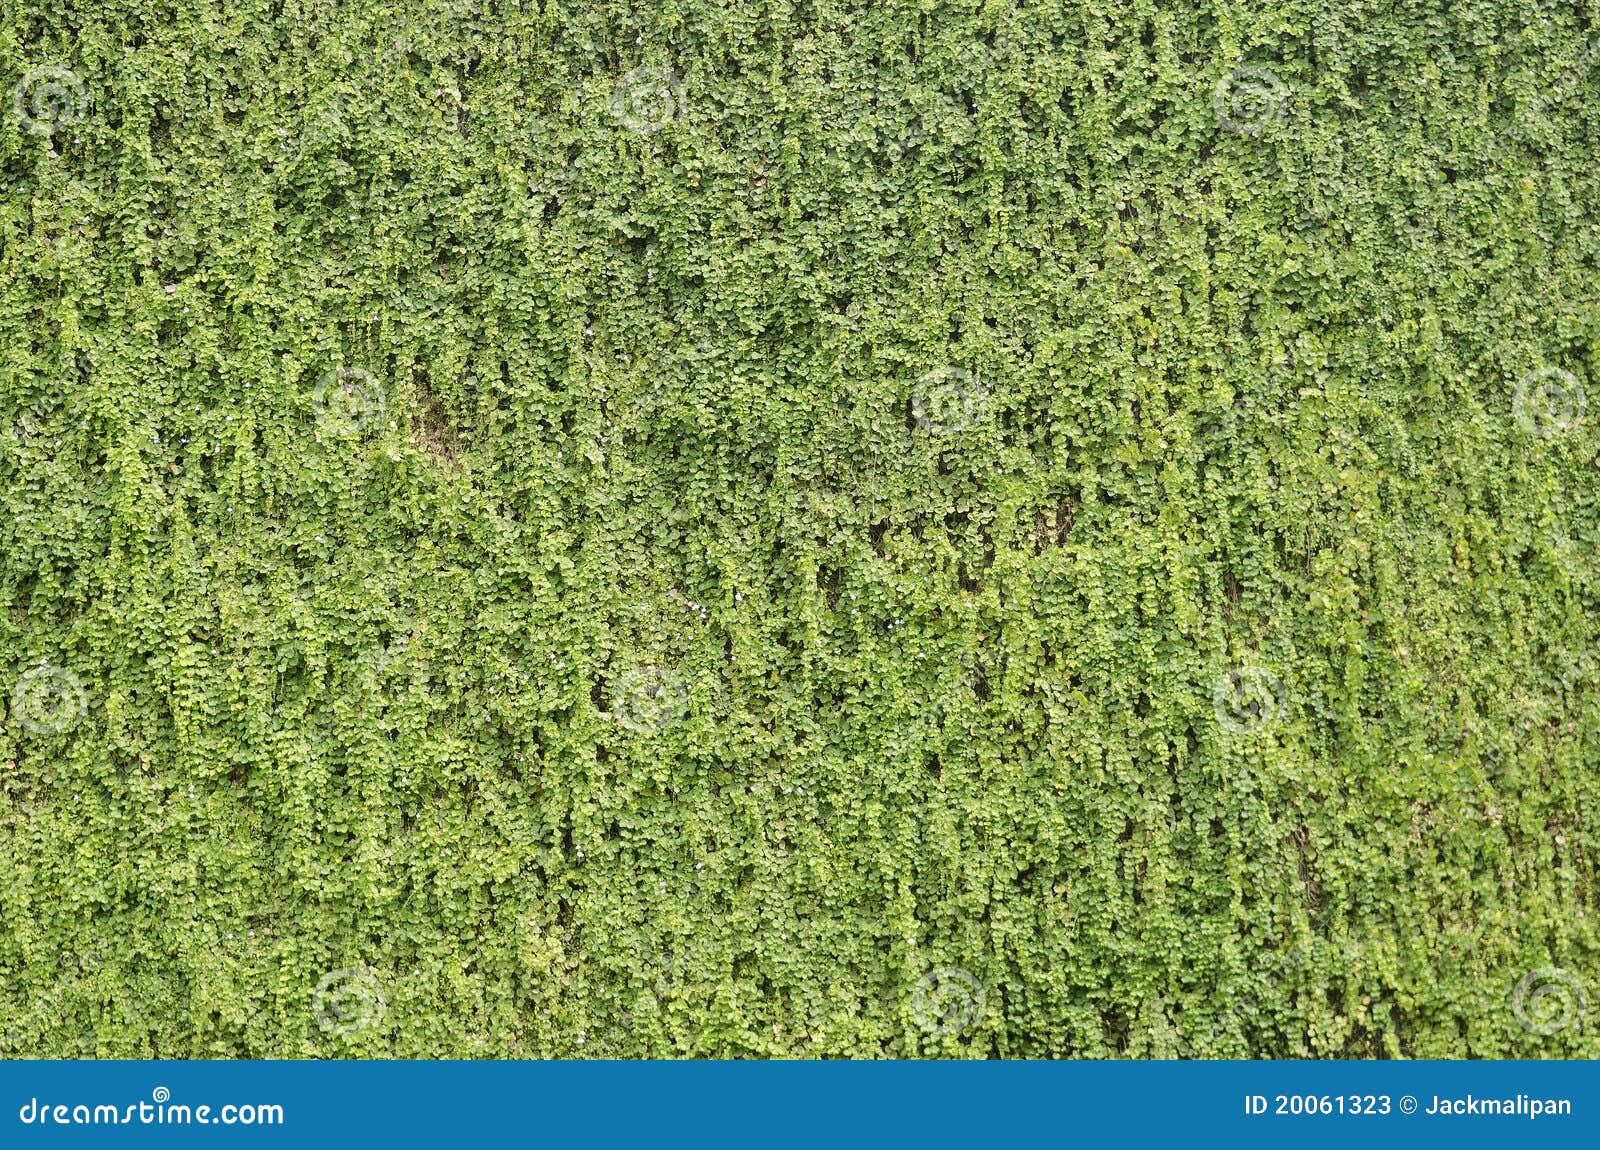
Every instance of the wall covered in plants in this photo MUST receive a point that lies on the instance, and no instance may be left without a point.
(757, 528)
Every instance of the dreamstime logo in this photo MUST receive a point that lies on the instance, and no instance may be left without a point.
(23, 1027)
(327, 122)
(617, 1033)
(612, 1038)
(649, 699)
(1248, 698)
(348, 1001)
(48, 700)
(1291, 961)
(948, 1000)
(948, 400)
(1249, 98)
(1548, 1000)
(648, 99)
(673, 976)
(348, 402)
(905, 147)
(1571, 77)
(1548, 401)
(403, 659)
(47, 99)
(552, 183)
(34, 419)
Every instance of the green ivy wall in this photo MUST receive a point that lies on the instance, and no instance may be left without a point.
(754, 528)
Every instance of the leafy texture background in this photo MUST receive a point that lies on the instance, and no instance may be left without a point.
(623, 656)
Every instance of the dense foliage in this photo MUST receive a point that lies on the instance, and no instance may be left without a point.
(740, 527)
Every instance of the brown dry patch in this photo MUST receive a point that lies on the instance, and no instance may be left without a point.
(1052, 523)
(431, 427)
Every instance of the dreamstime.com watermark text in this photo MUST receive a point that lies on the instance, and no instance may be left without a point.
(159, 1111)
